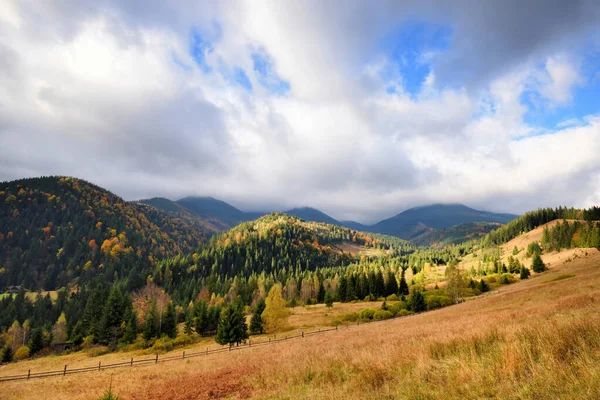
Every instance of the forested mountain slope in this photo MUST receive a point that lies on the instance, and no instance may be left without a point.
(58, 230)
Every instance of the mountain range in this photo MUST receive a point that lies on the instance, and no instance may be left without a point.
(417, 224)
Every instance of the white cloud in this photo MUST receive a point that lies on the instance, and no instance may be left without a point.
(100, 96)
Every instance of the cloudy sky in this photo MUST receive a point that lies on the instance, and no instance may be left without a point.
(361, 109)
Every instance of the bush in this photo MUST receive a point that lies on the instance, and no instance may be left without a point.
(22, 353)
(183, 340)
(96, 351)
(392, 297)
(397, 307)
(350, 317)
(88, 341)
(162, 345)
(380, 315)
(436, 301)
(403, 313)
(366, 314)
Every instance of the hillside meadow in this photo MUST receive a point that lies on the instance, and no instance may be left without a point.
(538, 338)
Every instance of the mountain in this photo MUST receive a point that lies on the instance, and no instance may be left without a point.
(59, 230)
(456, 234)
(312, 214)
(414, 222)
(209, 207)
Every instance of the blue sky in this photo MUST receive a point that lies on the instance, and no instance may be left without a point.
(361, 109)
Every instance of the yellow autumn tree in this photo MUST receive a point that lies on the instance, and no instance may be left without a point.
(275, 314)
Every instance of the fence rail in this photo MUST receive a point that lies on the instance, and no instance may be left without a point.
(131, 363)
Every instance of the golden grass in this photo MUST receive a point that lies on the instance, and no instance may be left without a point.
(529, 341)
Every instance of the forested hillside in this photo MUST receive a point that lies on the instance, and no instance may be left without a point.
(57, 230)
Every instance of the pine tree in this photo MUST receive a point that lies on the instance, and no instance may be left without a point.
(483, 287)
(403, 287)
(232, 326)
(417, 302)
(537, 264)
(131, 330)
(36, 341)
(256, 322)
(201, 318)
(392, 284)
(342, 288)
(524, 273)
(150, 330)
(7, 354)
(188, 326)
(328, 299)
(112, 318)
(170, 322)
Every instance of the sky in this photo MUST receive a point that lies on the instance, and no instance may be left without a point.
(361, 109)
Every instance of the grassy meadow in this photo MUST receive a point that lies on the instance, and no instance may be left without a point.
(538, 338)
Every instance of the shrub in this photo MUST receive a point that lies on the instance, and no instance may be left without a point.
(403, 313)
(366, 314)
(380, 315)
(435, 301)
(96, 351)
(22, 353)
(162, 345)
(350, 317)
(397, 307)
(392, 297)
(537, 264)
(88, 341)
(182, 340)
(109, 395)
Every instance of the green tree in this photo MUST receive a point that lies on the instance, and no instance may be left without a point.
(232, 326)
(417, 302)
(169, 325)
(131, 329)
(36, 341)
(455, 280)
(150, 329)
(7, 354)
(201, 318)
(256, 322)
(328, 299)
(524, 273)
(483, 287)
(403, 287)
(112, 318)
(537, 264)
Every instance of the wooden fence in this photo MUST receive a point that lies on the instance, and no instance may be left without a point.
(156, 359)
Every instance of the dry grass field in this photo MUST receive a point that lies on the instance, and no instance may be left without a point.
(535, 339)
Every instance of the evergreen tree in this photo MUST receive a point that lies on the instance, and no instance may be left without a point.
(232, 326)
(170, 322)
(524, 273)
(188, 326)
(483, 287)
(417, 302)
(201, 318)
(36, 341)
(342, 289)
(150, 329)
(392, 284)
(131, 330)
(328, 299)
(256, 322)
(403, 287)
(112, 318)
(7, 354)
(537, 264)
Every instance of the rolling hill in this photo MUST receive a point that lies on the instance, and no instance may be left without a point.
(414, 222)
(60, 230)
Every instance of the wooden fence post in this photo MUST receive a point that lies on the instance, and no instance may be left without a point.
(132, 361)
(99, 362)
(207, 351)
(183, 354)
(65, 371)
(156, 359)
(302, 333)
(336, 327)
(28, 374)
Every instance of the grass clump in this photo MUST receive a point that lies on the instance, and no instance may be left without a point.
(558, 278)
